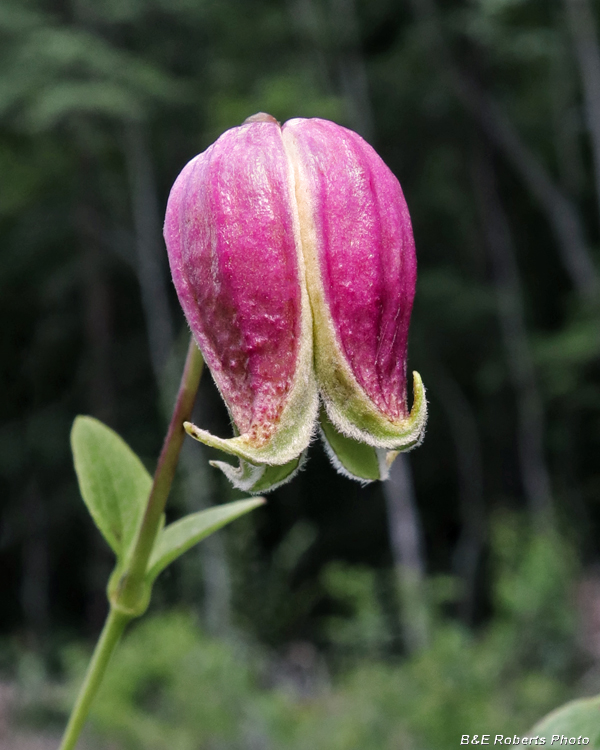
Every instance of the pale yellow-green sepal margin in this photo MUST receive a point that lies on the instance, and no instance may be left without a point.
(290, 437)
(295, 428)
(356, 417)
(255, 479)
(287, 443)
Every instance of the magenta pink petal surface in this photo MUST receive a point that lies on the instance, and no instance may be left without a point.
(230, 234)
(366, 254)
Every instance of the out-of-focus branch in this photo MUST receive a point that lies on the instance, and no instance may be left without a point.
(509, 295)
(331, 32)
(561, 214)
(353, 72)
(403, 517)
(147, 240)
(406, 545)
(467, 442)
(310, 28)
(35, 588)
(98, 321)
(166, 367)
(565, 124)
(585, 39)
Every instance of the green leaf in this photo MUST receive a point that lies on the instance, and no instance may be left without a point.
(180, 536)
(113, 481)
(579, 718)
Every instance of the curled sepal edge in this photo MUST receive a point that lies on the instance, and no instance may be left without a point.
(259, 479)
(293, 432)
(360, 420)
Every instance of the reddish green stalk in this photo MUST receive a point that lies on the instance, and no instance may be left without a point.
(131, 595)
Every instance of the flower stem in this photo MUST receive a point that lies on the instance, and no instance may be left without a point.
(133, 577)
(111, 633)
(125, 602)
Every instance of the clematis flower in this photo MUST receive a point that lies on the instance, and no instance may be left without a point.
(361, 266)
(233, 240)
(292, 255)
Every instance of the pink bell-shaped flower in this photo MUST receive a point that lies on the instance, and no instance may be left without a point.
(292, 254)
(233, 241)
(361, 273)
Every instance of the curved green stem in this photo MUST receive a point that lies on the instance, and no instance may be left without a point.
(128, 600)
(130, 591)
(110, 636)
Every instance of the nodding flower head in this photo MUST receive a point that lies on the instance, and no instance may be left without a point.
(292, 255)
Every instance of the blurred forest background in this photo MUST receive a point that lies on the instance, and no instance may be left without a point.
(461, 597)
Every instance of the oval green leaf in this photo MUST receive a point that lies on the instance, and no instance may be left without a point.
(578, 719)
(180, 536)
(113, 481)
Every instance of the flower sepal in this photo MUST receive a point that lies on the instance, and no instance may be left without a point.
(349, 457)
(356, 459)
(257, 479)
(358, 419)
(274, 444)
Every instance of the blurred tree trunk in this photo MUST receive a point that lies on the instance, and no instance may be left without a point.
(149, 248)
(199, 492)
(566, 128)
(35, 583)
(509, 296)
(352, 69)
(97, 311)
(403, 517)
(469, 462)
(406, 545)
(98, 324)
(331, 34)
(197, 487)
(562, 215)
(311, 28)
(583, 29)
